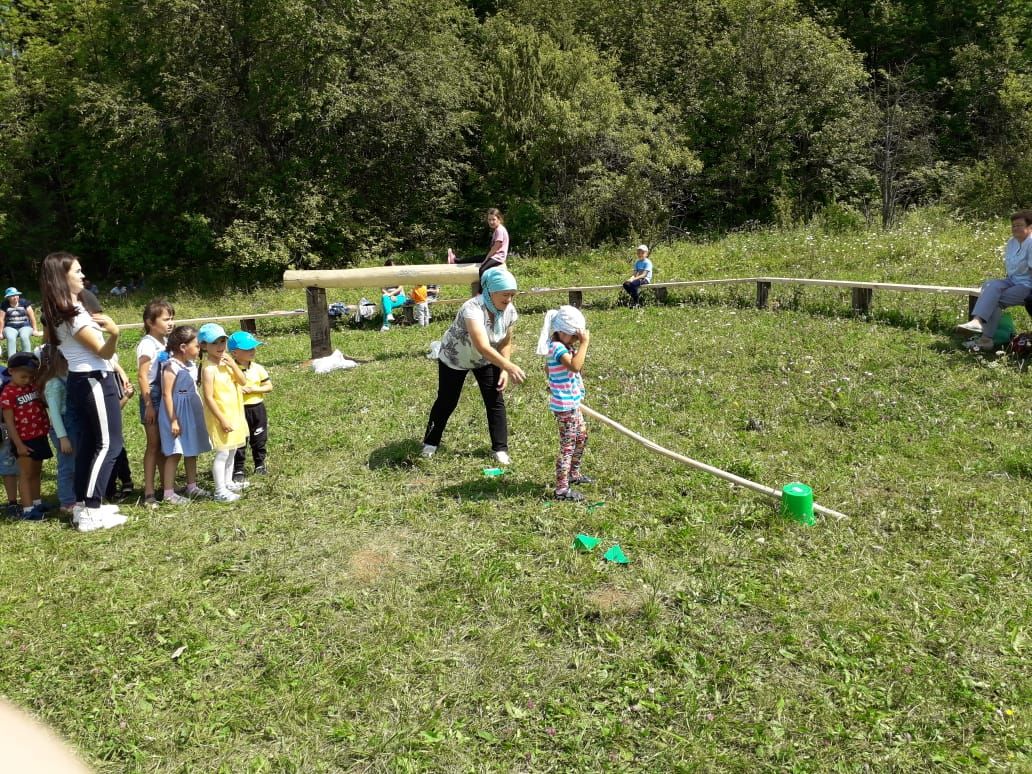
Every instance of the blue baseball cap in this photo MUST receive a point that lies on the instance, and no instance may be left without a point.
(243, 340)
(210, 332)
(11, 292)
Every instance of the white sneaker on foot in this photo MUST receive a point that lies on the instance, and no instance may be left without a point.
(974, 325)
(390, 318)
(238, 486)
(428, 451)
(90, 519)
(385, 328)
(502, 458)
(226, 496)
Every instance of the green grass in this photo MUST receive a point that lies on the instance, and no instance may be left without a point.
(366, 610)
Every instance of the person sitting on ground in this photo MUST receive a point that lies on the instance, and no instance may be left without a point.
(998, 294)
(18, 322)
(119, 290)
(642, 275)
(393, 298)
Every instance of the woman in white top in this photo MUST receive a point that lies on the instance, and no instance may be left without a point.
(479, 340)
(498, 252)
(92, 392)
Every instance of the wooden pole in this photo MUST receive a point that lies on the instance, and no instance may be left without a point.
(318, 322)
(576, 298)
(862, 300)
(652, 446)
(383, 276)
(762, 294)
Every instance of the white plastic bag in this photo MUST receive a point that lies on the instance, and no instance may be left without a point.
(334, 362)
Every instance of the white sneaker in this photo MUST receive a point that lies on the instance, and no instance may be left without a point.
(226, 496)
(238, 486)
(502, 458)
(390, 318)
(113, 519)
(981, 344)
(428, 451)
(971, 326)
(385, 328)
(107, 508)
(90, 519)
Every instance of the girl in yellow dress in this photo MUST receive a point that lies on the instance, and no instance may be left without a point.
(221, 383)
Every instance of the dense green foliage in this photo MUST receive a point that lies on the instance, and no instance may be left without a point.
(168, 135)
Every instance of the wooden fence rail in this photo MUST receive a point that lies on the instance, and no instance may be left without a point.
(315, 283)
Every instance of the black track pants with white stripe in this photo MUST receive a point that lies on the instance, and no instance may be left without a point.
(94, 399)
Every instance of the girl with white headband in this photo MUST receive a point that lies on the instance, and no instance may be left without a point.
(564, 342)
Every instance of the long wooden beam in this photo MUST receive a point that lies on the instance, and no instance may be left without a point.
(744, 482)
(383, 276)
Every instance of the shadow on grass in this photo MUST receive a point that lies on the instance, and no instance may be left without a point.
(492, 489)
(397, 454)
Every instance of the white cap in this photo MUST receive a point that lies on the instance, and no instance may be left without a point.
(643, 248)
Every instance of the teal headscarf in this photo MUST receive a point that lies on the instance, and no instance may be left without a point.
(496, 280)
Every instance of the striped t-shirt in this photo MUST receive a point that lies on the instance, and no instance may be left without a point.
(565, 388)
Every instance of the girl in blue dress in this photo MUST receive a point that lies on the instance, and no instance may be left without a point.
(181, 420)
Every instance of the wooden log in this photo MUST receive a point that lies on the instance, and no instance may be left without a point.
(318, 322)
(576, 298)
(862, 300)
(383, 276)
(659, 292)
(762, 295)
(222, 318)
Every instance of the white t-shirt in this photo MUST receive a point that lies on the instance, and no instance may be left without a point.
(80, 359)
(150, 347)
(457, 350)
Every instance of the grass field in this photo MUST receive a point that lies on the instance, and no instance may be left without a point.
(366, 610)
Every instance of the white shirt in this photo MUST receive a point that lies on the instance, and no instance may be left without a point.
(150, 347)
(80, 358)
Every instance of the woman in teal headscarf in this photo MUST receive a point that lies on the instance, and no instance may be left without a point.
(479, 340)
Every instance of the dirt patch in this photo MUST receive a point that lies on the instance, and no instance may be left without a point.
(367, 565)
(610, 599)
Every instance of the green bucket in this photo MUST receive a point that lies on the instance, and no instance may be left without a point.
(797, 503)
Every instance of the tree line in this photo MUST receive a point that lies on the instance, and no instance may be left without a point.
(194, 136)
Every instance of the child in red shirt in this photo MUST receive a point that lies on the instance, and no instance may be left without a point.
(27, 423)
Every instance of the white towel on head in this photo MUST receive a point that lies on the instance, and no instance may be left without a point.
(565, 319)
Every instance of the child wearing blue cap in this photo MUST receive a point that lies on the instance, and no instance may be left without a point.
(243, 346)
(222, 384)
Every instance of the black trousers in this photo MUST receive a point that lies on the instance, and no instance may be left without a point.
(632, 286)
(449, 388)
(120, 473)
(258, 433)
(93, 397)
(490, 263)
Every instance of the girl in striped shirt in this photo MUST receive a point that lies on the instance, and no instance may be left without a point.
(564, 343)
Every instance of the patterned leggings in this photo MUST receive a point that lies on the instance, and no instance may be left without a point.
(573, 435)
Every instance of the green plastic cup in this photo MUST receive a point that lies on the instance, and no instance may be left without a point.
(797, 503)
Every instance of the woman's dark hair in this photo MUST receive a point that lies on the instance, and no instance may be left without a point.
(153, 311)
(53, 283)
